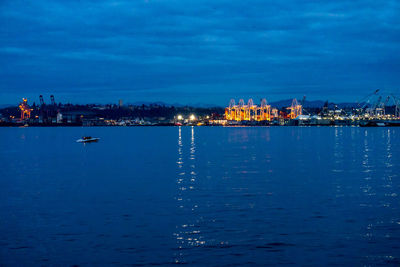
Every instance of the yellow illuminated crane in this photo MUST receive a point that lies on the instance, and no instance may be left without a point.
(295, 109)
(230, 111)
(249, 112)
(264, 111)
(242, 110)
(25, 109)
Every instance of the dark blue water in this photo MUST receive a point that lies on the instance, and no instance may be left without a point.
(209, 196)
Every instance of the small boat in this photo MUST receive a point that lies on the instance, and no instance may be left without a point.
(88, 139)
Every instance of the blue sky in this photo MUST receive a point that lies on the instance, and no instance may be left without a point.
(197, 51)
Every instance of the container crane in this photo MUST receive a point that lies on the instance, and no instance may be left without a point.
(25, 109)
(295, 109)
(367, 99)
(41, 101)
(383, 105)
(303, 101)
(241, 110)
(249, 112)
(230, 111)
(397, 106)
(264, 110)
(53, 102)
(374, 108)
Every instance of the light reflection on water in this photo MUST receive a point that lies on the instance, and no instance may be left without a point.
(187, 232)
(240, 195)
(245, 159)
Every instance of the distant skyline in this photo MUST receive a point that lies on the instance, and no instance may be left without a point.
(197, 51)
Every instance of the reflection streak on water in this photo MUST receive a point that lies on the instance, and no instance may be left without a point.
(368, 168)
(338, 159)
(376, 197)
(223, 189)
(187, 234)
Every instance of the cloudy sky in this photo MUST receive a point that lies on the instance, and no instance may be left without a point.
(197, 51)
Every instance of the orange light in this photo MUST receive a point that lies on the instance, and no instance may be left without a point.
(249, 112)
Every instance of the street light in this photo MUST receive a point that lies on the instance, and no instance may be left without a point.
(180, 117)
(192, 117)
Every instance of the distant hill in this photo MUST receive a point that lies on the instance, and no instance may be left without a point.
(312, 104)
(147, 103)
(160, 103)
(6, 105)
(278, 104)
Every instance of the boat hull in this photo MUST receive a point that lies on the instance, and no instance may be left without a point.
(88, 140)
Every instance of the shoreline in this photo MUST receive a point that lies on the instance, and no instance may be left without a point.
(173, 125)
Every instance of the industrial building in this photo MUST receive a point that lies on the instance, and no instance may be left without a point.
(262, 112)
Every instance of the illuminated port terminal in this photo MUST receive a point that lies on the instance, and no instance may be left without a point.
(263, 112)
(372, 110)
(25, 109)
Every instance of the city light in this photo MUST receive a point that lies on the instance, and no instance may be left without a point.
(249, 112)
(25, 109)
(370, 111)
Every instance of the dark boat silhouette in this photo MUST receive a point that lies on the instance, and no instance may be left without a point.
(88, 139)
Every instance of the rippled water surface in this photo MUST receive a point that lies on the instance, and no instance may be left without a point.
(209, 196)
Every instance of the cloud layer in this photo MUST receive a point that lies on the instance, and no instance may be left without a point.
(198, 51)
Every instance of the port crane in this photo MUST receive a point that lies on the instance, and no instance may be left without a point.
(382, 106)
(242, 109)
(373, 109)
(396, 106)
(264, 111)
(366, 100)
(249, 112)
(53, 102)
(377, 109)
(41, 101)
(25, 109)
(302, 104)
(295, 109)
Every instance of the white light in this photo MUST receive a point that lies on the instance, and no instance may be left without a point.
(192, 117)
(180, 117)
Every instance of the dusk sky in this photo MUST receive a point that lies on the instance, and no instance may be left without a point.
(197, 51)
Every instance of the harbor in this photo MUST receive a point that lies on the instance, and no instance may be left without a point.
(181, 192)
(203, 133)
(373, 110)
